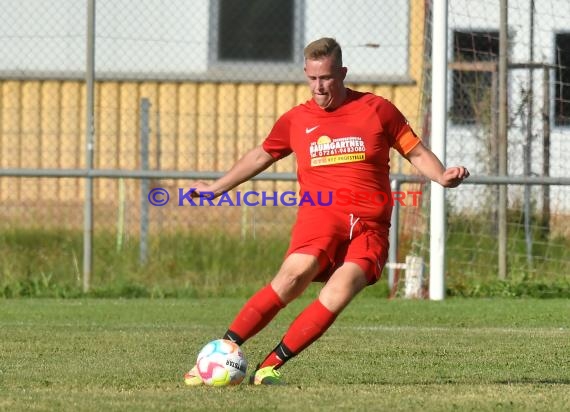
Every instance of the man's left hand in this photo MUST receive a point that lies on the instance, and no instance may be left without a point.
(454, 176)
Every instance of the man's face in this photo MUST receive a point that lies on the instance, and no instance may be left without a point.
(326, 82)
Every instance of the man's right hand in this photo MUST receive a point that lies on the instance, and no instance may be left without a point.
(203, 189)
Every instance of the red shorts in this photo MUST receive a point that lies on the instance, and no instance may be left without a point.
(368, 248)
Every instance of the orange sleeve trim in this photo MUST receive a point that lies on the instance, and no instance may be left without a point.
(406, 142)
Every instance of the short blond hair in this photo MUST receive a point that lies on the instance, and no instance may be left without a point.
(324, 47)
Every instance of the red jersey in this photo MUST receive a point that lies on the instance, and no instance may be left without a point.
(343, 156)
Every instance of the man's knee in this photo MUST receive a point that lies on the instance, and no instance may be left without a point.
(296, 272)
(344, 284)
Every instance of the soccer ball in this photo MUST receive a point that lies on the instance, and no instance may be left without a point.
(221, 362)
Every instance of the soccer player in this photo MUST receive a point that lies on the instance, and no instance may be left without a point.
(342, 140)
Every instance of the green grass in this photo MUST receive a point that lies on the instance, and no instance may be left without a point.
(49, 264)
(472, 247)
(44, 263)
(399, 355)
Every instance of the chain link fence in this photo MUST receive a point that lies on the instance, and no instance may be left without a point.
(183, 89)
(535, 137)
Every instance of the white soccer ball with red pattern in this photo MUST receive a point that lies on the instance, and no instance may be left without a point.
(221, 362)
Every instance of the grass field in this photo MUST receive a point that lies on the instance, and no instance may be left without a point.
(389, 355)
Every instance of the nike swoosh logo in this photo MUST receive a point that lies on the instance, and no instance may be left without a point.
(309, 130)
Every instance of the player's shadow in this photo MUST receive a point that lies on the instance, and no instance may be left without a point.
(516, 381)
(535, 381)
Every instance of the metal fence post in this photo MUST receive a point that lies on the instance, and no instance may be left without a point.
(89, 142)
(145, 131)
(503, 138)
(394, 226)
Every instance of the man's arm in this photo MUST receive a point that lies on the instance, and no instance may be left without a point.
(252, 163)
(431, 167)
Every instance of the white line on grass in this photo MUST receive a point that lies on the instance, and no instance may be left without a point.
(508, 330)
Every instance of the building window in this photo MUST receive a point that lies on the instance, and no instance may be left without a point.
(256, 31)
(562, 81)
(263, 40)
(474, 57)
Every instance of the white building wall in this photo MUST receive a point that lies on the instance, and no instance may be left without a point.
(166, 38)
(466, 144)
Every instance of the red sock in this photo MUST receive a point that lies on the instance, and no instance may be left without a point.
(307, 328)
(256, 313)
